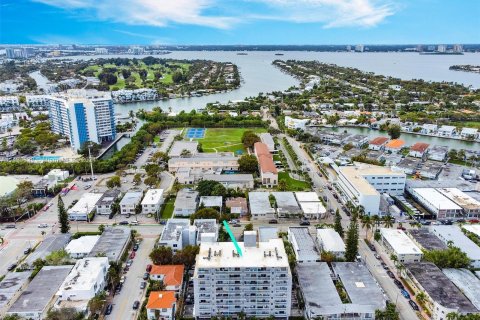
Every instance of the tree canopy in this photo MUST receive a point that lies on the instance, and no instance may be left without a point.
(452, 257)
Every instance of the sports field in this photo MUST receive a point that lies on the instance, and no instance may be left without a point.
(225, 139)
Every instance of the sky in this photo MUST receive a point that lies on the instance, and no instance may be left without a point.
(223, 22)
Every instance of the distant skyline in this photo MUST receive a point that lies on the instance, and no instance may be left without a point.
(224, 22)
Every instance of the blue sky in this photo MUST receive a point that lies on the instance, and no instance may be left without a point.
(239, 21)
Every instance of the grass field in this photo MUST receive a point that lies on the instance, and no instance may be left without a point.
(167, 210)
(225, 139)
(292, 184)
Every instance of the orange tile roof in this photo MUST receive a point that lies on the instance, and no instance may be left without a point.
(173, 274)
(266, 164)
(161, 300)
(420, 147)
(378, 141)
(261, 149)
(395, 144)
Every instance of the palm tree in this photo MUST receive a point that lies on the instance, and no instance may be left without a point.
(421, 297)
(367, 223)
(376, 221)
(388, 221)
(394, 259)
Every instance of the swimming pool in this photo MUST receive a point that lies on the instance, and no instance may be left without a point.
(46, 158)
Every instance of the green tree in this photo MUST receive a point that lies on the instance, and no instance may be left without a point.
(249, 138)
(101, 228)
(205, 187)
(282, 185)
(96, 304)
(351, 246)
(63, 216)
(390, 313)
(367, 224)
(394, 131)
(162, 255)
(114, 182)
(56, 258)
(137, 178)
(64, 314)
(338, 223)
(248, 227)
(327, 256)
(388, 221)
(452, 257)
(94, 149)
(248, 163)
(151, 181)
(205, 213)
(186, 256)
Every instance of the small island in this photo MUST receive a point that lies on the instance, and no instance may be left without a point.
(465, 68)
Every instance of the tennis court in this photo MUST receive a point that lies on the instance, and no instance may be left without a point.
(195, 133)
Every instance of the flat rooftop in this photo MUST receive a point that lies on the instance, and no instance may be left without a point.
(436, 199)
(51, 243)
(330, 240)
(111, 243)
(461, 198)
(211, 201)
(455, 234)
(85, 204)
(309, 196)
(83, 244)
(153, 196)
(206, 226)
(260, 203)
(399, 241)
(131, 197)
(84, 274)
(286, 202)
(426, 239)
(313, 207)
(466, 282)
(186, 199)
(39, 293)
(473, 228)
(179, 146)
(265, 233)
(269, 254)
(439, 287)
(10, 285)
(173, 229)
(108, 197)
(306, 249)
(321, 296)
(240, 177)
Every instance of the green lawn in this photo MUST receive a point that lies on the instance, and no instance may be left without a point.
(167, 209)
(292, 184)
(225, 139)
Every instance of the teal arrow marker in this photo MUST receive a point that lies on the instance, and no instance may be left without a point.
(230, 233)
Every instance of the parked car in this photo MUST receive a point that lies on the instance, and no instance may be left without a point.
(10, 226)
(399, 284)
(122, 279)
(149, 268)
(390, 274)
(136, 304)
(134, 223)
(145, 276)
(143, 285)
(132, 255)
(377, 256)
(27, 251)
(413, 305)
(237, 225)
(12, 267)
(88, 186)
(135, 247)
(384, 265)
(129, 262)
(108, 309)
(43, 225)
(273, 221)
(405, 293)
(123, 223)
(305, 223)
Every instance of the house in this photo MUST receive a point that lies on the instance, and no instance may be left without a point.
(206, 229)
(436, 203)
(152, 201)
(438, 153)
(447, 131)
(469, 133)
(429, 129)
(267, 139)
(84, 207)
(215, 202)
(81, 247)
(418, 150)
(161, 305)
(268, 170)
(394, 145)
(292, 123)
(58, 175)
(237, 206)
(177, 234)
(260, 206)
(104, 205)
(286, 204)
(170, 275)
(186, 202)
(130, 201)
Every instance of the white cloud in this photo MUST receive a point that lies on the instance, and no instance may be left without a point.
(332, 13)
(157, 13)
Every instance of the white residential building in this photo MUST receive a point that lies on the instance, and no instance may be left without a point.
(130, 201)
(293, 123)
(260, 206)
(152, 201)
(436, 203)
(205, 161)
(362, 184)
(429, 128)
(83, 115)
(37, 101)
(84, 206)
(81, 247)
(311, 205)
(329, 240)
(469, 133)
(143, 94)
(57, 175)
(9, 103)
(258, 282)
(177, 234)
(399, 244)
(104, 205)
(453, 234)
(447, 131)
(87, 278)
(303, 245)
(186, 202)
(212, 202)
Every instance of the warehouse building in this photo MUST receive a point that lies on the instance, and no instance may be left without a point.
(470, 206)
(436, 203)
(466, 281)
(426, 240)
(398, 243)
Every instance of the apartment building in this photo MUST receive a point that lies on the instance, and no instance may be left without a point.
(205, 161)
(152, 201)
(398, 243)
(362, 184)
(267, 139)
(329, 240)
(161, 305)
(268, 170)
(83, 115)
(130, 201)
(257, 282)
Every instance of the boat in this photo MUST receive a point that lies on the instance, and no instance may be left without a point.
(279, 54)
(242, 54)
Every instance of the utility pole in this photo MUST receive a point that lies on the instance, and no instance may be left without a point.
(90, 158)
